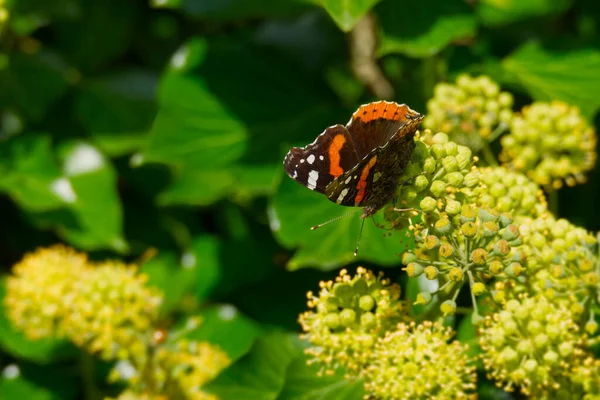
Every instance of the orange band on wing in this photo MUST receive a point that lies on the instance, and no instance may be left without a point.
(362, 183)
(334, 155)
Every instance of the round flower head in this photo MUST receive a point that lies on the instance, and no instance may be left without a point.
(563, 265)
(471, 111)
(509, 191)
(470, 244)
(347, 318)
(552, 143)
(418, 362)
(438, 173)
(40, 291)
(530, 345)
(113, 311)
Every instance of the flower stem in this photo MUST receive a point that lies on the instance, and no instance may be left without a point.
(488, 155)
(553, 202)
(86, 362)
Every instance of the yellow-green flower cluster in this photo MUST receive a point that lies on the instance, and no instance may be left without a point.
(563, 264)
(39, 294)
(104, 308)
(438, 172)
(113, 311)
(552, 143)
(176, 370)
(531, 345)
(509, 191)
(471, 111)
(418, 362)
(469, 245)
(347, 318)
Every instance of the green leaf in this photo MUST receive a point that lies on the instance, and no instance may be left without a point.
(571, 76)
(29, 172)
(197, 187)
(346, 13)
(225, 327)
(32, 83)
(260, 375)
(16, 343)
(500, 12)
(205, 129)
(102, 32)
(118, 109)
(241, 9)
(193, 128)
(295, 209)
(166, 273)
(19, 388)
(96, 205)
(303, 383)
(421, 28)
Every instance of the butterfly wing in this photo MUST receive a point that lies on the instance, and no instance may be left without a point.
(375, 125)
(319, 163)
(384, 133)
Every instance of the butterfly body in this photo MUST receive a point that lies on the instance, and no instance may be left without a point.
(359, 164)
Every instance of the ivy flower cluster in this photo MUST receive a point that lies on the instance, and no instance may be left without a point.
(470, 245)
(177, 370)
(532, 345)
(438, 174)
(510, 191)
(107, 309)
(358, 323)
(419, 362)
(472, 111)
(552, 143)
(564, 265)
(347, 318)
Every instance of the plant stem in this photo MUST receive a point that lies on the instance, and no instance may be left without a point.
(488, 155)
(553, 202)
(86, 362)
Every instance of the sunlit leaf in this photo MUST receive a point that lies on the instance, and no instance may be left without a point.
(346, 13)
(423, 28)
(295, 209)
(571, 76)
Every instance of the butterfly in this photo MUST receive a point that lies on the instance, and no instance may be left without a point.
(359, 164)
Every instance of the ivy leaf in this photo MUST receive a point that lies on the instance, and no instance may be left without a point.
(218, 142)
(118, 109)
(423, 28)
(303, 383)
(260, 375)
(224, 10)
(346, 13)
(570, 76)
(295, 209)
(30, 172)
(501, 12)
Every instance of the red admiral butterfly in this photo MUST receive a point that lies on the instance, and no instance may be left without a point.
(360, 164)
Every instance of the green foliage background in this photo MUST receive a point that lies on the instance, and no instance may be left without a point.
(135, 125)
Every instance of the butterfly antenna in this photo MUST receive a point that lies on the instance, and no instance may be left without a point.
(359, 236)
(312, 228)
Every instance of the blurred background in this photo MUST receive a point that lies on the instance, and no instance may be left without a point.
(154, 132)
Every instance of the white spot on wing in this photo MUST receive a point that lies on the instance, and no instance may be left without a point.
(341, 196)
(311, 159)
(313, 177)
(295, 174)
(348, 180)
(321, 158)
(302, 161)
